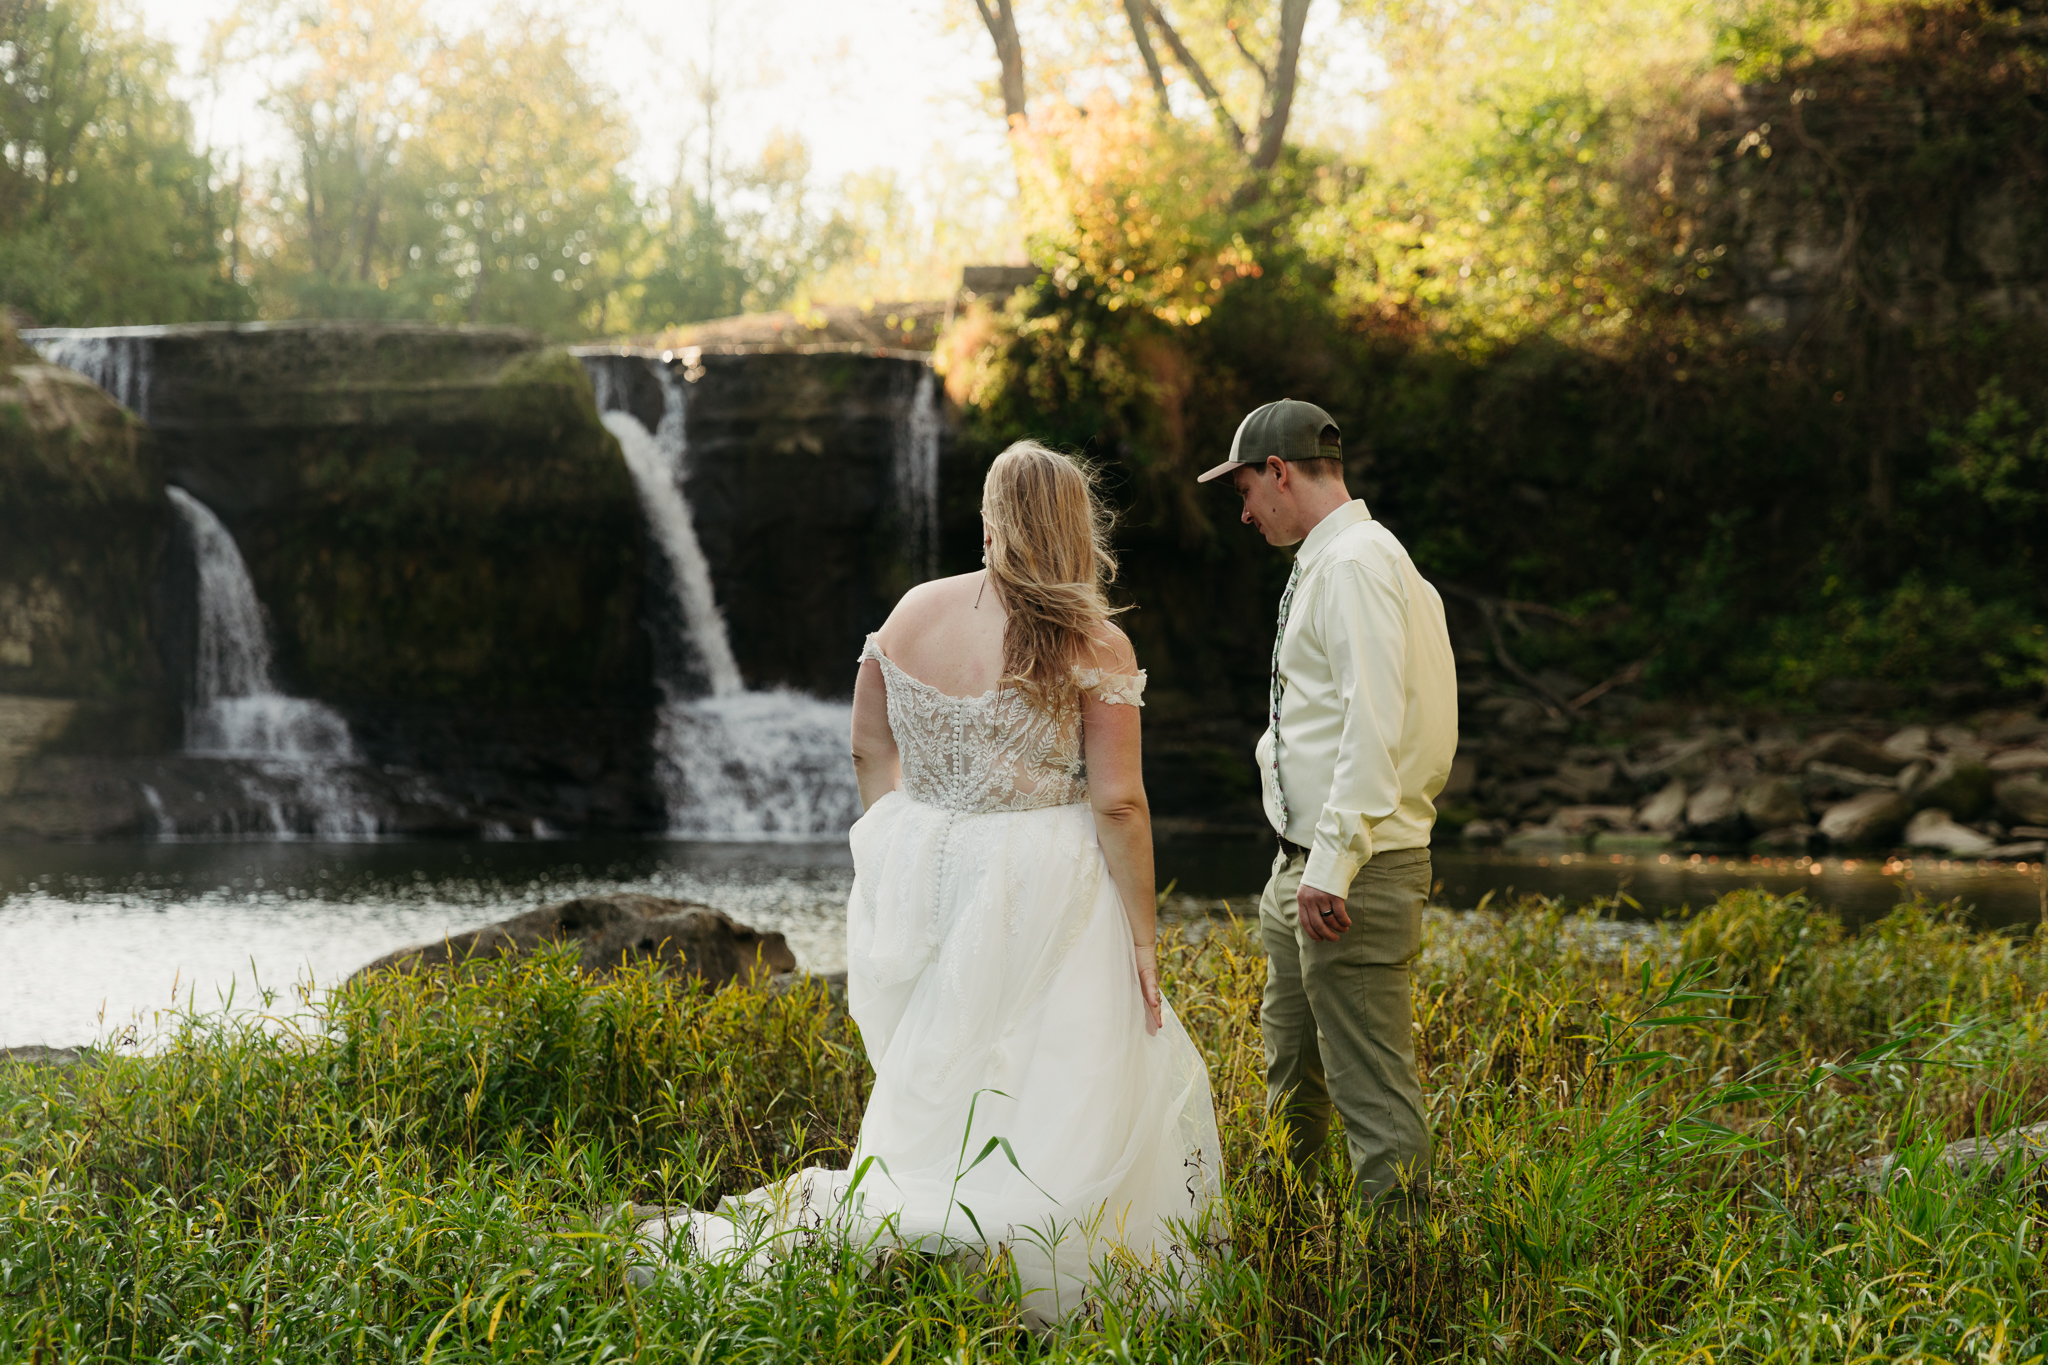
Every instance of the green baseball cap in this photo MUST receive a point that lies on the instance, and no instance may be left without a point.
(1289, 429)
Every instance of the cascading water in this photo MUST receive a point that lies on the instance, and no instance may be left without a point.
(117, 362)
(734, 764)
(300, 751)
(917, 473)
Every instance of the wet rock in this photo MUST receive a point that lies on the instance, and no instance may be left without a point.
(1935, 829)
(1992, 1157)
(1908, 744)
(2018, 761)
(1960, 785)
(1826, 780)
(1842, 749)
(1772, 802)
(1663, 811)
(1873, 817)
(2024, 799)
(1582, 783)
(2027, 832)
(1713, 810)
(685, 938)
(1544, 839)
(2018, 729)
(1484, 833)
(1785, 839)
(1580, 820)
(2029, 848)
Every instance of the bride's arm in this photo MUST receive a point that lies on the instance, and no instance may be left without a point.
(876, 765)
(1123, 824)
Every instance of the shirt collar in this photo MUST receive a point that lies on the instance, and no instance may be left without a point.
(1326, 530)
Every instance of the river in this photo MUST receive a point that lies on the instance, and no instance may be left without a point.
(102, 938)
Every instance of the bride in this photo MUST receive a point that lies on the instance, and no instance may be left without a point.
(1035, 1099)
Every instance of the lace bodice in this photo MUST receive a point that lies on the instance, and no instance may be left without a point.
(995, 751)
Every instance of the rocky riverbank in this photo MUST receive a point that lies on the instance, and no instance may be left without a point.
(1651, 776)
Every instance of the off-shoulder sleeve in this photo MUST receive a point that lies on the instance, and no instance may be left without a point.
(872, 649)
(1112, 689)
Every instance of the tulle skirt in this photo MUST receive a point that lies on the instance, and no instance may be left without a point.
(1020, 1109)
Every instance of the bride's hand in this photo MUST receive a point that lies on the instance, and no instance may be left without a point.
(1148, 984)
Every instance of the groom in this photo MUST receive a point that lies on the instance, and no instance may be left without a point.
(1362, 725)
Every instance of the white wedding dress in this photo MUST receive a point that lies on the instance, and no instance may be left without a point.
(989, 968)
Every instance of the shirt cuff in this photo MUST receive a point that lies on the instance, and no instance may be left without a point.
(1331, 870)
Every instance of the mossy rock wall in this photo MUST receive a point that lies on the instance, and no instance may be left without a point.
(84, 524)
(430, 515)
(792, 487)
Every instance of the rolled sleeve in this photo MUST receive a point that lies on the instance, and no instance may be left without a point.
(1364, 624)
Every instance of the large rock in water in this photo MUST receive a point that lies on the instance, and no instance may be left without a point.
(687, 939)
(1874, 817)
(2024, 800)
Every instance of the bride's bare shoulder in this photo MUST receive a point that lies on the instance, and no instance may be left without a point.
(1109, 651)
(929, 604)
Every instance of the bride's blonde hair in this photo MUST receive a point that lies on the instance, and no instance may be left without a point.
(1049, 558)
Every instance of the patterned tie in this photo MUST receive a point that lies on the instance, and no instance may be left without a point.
(1286, 601)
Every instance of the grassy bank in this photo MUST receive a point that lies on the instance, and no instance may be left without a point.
(1638, 1158)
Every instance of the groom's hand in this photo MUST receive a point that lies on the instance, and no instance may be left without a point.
(1322, 915)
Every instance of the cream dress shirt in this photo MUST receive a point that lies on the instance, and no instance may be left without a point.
(1368, 704)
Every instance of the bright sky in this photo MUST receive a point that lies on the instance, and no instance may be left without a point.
(867, 83)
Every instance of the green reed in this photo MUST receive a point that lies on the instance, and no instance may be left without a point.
(1646, 1144)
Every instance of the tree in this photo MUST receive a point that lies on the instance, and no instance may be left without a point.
(107, 215)
(1236, 22)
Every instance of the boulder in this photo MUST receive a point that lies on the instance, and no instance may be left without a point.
(1772, 803)
(1908, 744)
(1588, 819)
(2025, 799)
(1464, 776)
(1845, 750)
(1958, 784)
(1713, 810)
(1663, 811)
(1485, 833)
(1935, 829)
(685, 938)
(1785, 839)
(1991, 1157)
(1832, 779)
(1873, 817)
(2019, 761)
(2026, 848)
(1631, 841)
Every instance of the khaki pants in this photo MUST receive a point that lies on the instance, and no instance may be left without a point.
(1337, 1024)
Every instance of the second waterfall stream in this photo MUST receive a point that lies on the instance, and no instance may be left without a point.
(733, 764)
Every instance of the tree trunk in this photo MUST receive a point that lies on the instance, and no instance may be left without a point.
(1280, 102)
(1002, 26)
(1134, 10)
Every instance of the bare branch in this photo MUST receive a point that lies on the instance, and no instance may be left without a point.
(1002, 26)
(1195, 73)
(1134, 10)
(1280, 101)
(1265, 76)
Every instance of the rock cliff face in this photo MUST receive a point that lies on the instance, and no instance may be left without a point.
(793, 475)
(441, 533)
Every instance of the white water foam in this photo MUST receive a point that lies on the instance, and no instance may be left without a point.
(737, 764)
(118, 363)
(916, 473)
(300, 752)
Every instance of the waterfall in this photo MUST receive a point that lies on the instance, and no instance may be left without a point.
(657, 461)
(736, 764)
(299, 750)
(917, 474)
(117, 362)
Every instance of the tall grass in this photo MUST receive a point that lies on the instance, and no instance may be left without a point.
(1646, 1140)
